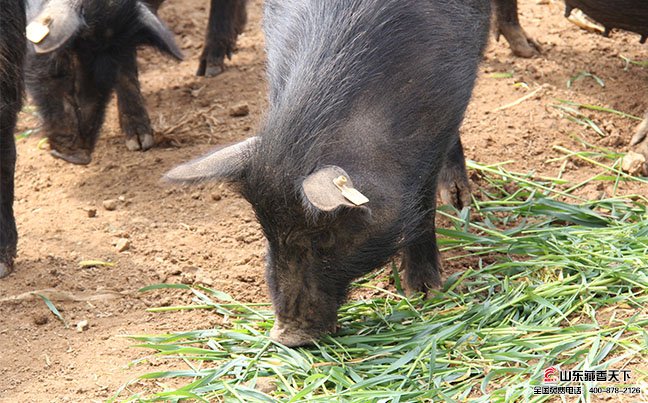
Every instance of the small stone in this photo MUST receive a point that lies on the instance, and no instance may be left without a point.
(110, 204)
(122, 244)
(92, 212)
(245, 278)
(633, 163)
(239, 110)
(188, 278)
(216, 196)
(265, 384)
(82, 326)
(175, 271)
(40, 320)
(195, 195)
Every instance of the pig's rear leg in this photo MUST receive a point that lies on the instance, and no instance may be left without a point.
(640, 140)
(421, 263)
(507, 24)
(454, 187)
(133, 117)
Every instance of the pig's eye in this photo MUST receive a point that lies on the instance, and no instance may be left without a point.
(324, 240)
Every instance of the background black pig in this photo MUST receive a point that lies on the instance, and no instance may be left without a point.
(12, 50)
(90, 50)
(371, 91)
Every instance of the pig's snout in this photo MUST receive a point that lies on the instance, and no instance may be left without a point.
(293, 335)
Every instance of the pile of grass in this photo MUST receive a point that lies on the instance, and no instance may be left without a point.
(553, 280)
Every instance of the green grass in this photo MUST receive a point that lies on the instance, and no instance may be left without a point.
(549, 279)
(585, 74)
(629, 62)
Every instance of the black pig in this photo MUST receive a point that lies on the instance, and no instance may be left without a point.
(365, 96)
(12, 50)
(90, 49)
(93, 43)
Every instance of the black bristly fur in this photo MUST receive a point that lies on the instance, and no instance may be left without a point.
(12, 49)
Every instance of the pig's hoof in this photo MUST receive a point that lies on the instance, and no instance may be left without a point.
(421, 266)
(5, 269)
(214, 70)
(292, 337)
(78, 157)
(454, 188)
(455, 193)
(142, 142)
(212, 59)
(211, 68)
(421, 279)
(521, 44)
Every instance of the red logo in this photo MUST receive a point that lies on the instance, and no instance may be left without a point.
(550, 375)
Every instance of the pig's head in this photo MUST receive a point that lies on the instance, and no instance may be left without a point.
(318, 240)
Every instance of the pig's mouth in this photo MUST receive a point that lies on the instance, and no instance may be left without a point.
(291, 334)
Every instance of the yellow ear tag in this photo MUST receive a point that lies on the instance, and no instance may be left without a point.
(36, 31)
(349, 193)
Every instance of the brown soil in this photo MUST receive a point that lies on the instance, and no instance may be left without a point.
(208, 234)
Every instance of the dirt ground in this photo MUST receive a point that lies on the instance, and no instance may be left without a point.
(208, 234)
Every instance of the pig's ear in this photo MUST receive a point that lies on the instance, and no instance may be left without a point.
(156, 32)
(227, 164)
(54, 25)
(330, 188)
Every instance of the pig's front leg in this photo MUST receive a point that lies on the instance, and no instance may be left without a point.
(133, 118)
(421, 261)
